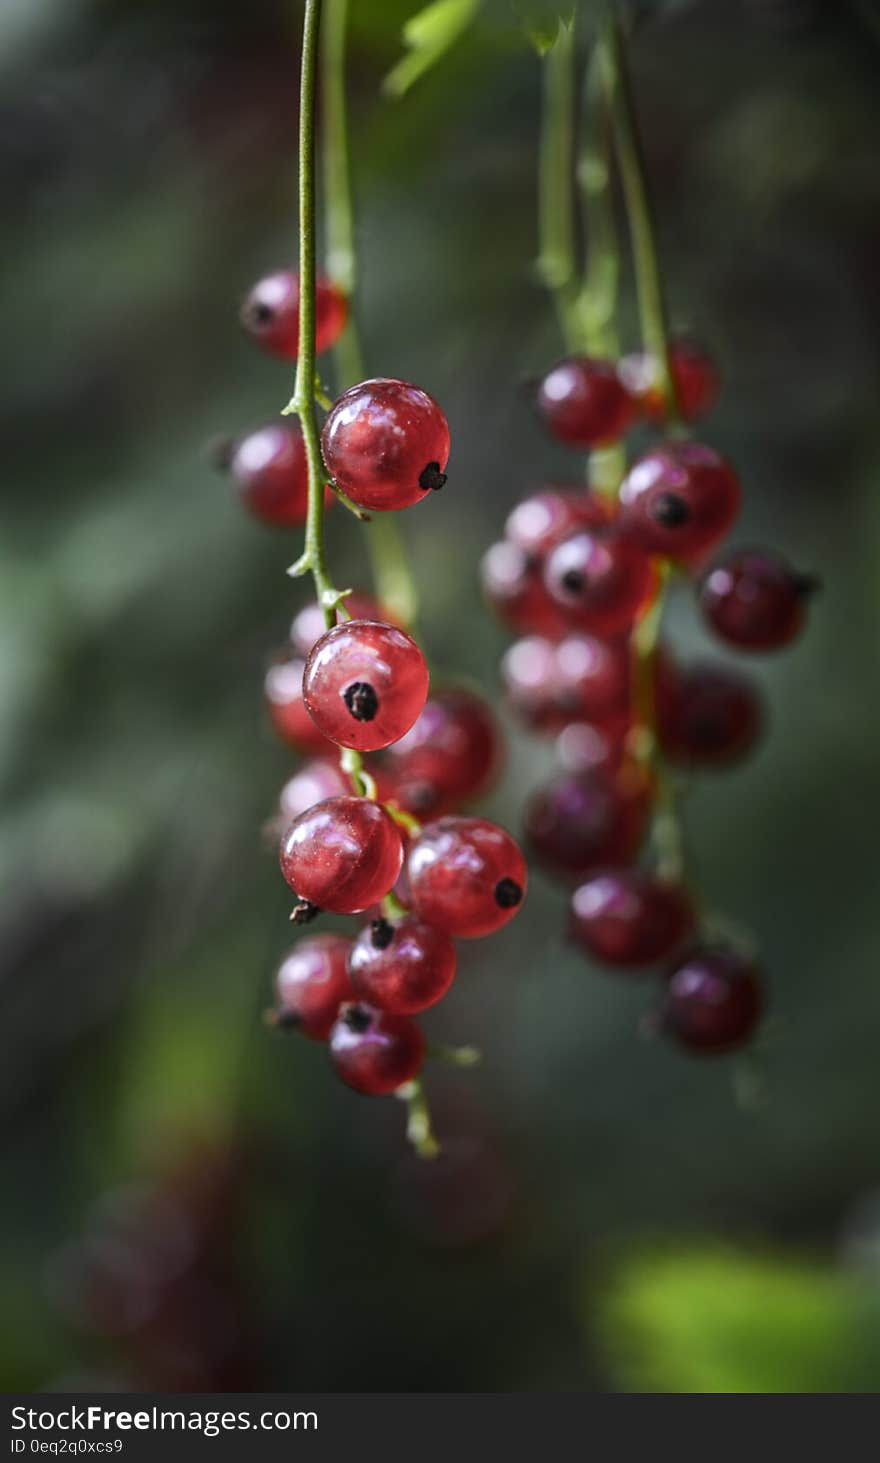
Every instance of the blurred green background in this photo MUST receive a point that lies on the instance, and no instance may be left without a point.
(188, 1200)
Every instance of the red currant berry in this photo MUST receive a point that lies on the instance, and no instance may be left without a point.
(283, 688)
(386, 444)
(375, 1052)
(582, 747)
(513, 583)
(594, 678)
(630, 917)
(539, 522)
(754, 600)
(270, 314)
(342, 855)
(693, 372)
(364, 684)
(466, 875)
(584, 402)
(309, 625)
(579, 822)
(712, 1001)
(311, 984)
(454, 751)
(679, 500)
(269, 468)
(403, 967)
(531, 681)
(313, 783)
(601, 580)
(707, 714)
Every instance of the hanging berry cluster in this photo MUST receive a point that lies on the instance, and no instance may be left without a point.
(372, 824)
(581, 576)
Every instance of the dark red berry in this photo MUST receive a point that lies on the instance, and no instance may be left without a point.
(539, 522)
(754, 600)
(283, 689)
(707, 714)
(270, 471)
(580, 679)
(342, 855)
(454, 749)
(309, 625)
(513, 583)
(270, 314)
(582, 821)
(313, 783)
(582, 747)
(630, 917)
(693, 371)
(364, 684)
(531, 681)
(584, 402)
(403, 967)
(311, 984)
(386, 444)
(375, 1052)
(712, 1001)
(601, 580)
(679, 500)
(466, 876)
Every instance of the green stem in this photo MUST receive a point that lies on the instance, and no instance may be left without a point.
(394, 583)
(556, 231)
(649, 283)
(418, 1124)
(302, 402)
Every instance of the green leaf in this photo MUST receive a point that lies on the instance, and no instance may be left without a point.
(716, 1319)
(427, 37)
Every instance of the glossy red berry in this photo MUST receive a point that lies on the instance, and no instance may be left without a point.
(403, 967)
(584, 402)
(712, 1001)
(270, 472)
(679, 500)
(630, 917)
(313, 783)
(309, 624)
(451, 754)
(375, 1052)
(312, 983)
(466, 875)
(693, 371)
(270, 314)
(513, 583)
(342, 855)
(386, 444)
(540, 521)
(286, 709)
(600, 580)
(707, 714)
(364, 684)
(582, 821)
(754, 600)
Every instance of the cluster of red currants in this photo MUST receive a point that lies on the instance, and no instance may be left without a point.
(385, 758)
(579, 576)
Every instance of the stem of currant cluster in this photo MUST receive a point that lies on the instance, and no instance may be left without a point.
(419, 1131)
(613, 59)
(613, 65)
(394, 583)
(556, 261)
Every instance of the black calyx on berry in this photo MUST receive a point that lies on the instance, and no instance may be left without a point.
(357, 1018)
(381, 933)
(304, 912)
(281, 1018)
(806, 585)
(361, 700)
(431, 478)
(573, 581)
(508, 893)
(669, 510)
